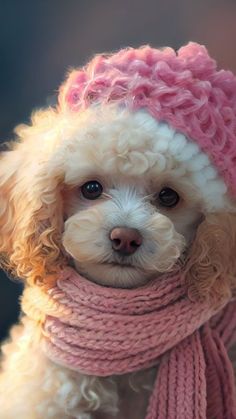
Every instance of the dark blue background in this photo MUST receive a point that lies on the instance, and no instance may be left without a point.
(41, 39)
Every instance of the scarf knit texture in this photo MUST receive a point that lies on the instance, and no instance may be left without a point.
(103, 331)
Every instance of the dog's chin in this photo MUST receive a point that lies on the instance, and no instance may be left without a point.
(114, 275)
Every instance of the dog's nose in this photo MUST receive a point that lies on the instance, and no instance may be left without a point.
(125, 240)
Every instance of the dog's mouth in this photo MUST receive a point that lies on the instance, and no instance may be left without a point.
(116, 264)
(119, 265)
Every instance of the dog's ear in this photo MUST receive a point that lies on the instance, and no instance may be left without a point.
(31, 218)
(210, 270)
(10, 162)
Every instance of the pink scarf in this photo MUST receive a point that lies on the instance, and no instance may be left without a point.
(103, 331)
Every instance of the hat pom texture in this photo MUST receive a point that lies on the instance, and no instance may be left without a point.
(184, 89)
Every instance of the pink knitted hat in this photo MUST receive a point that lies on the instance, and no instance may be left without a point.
(184, 89)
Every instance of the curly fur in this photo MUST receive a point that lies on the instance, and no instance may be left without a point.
(211, 264)
(46, 224)
(30, 235)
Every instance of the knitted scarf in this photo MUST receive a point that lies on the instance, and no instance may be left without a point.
(103, 331)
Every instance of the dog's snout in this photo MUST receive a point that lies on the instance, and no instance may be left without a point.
(125, 240)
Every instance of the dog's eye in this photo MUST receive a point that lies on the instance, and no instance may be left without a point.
(92, 189)
(168, 198)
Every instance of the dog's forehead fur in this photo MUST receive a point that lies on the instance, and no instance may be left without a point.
(113, 143)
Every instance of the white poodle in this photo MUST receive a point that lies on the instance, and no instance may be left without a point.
(121, 197)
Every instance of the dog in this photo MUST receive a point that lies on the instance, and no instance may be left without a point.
(123, 199)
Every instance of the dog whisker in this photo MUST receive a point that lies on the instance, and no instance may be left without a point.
(146, 197)
(106, 195)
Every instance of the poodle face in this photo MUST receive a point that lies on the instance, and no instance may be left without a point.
(120, 174)
(125, 184)
(116, 194)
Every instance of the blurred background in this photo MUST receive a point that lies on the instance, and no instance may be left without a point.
(41, 39)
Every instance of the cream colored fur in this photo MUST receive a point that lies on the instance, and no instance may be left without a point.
(45, 224)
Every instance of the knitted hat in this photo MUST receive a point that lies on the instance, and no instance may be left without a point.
(184, 89)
